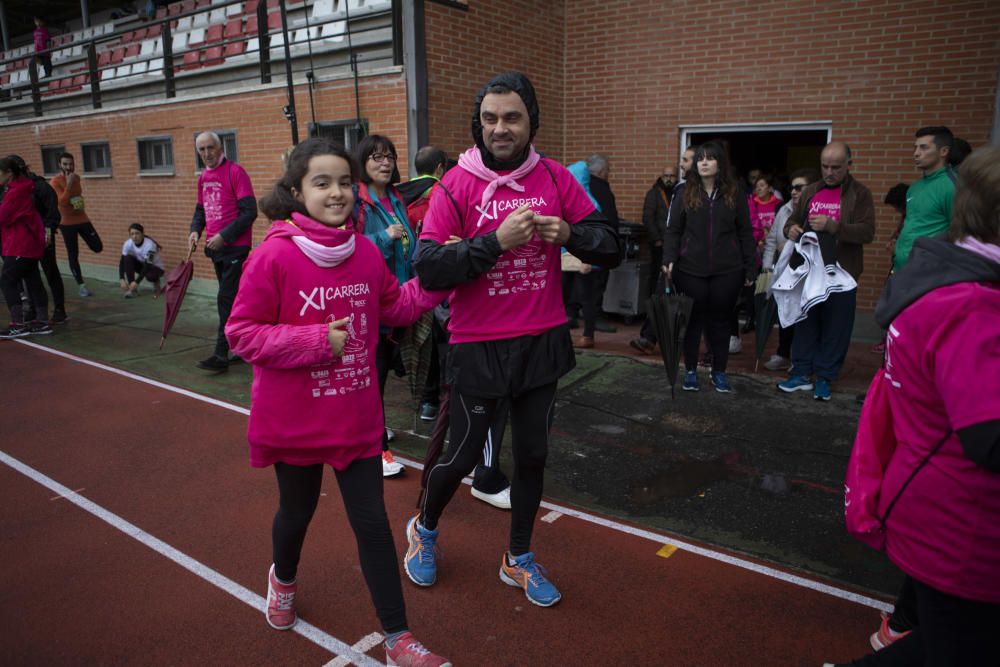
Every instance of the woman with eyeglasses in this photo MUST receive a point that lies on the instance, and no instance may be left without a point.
(710, 255)
(381, 216)
(773, 244)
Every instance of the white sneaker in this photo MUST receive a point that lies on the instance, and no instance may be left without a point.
(499, 499)
(777, 363)
(390, 466)
(735, 345)
(390, 435)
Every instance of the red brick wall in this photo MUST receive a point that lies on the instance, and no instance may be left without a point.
(878, 69)
(466, 48)
(164, 204)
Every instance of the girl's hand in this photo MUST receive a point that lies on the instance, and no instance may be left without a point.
(395, 231)
(668, 270)
(337, 336)
(453, 239)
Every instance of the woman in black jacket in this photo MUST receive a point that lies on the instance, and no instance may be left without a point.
(708, 253)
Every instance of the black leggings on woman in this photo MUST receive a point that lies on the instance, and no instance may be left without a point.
(361, 490)
(471, 418)
(16, 269)
(714, 300)
(90, 237)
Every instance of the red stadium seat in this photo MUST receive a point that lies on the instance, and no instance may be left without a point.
(213, 56)
(234, 28)
(214, 34)
(235, 49)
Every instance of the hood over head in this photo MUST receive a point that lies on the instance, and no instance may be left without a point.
(520, 84)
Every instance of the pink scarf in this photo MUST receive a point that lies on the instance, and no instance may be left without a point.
(321, 255)
(987, 250)
(472, 161)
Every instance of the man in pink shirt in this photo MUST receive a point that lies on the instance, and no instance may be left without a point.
(493, 234)
(225, 211)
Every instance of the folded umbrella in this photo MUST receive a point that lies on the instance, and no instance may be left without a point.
(173, 292)
(669, 314)
(766, 318)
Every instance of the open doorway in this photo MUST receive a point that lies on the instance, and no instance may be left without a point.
(775, 148)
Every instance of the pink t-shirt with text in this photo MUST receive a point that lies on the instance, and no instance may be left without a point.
(826, 202)
(521, 295)
(218, 191)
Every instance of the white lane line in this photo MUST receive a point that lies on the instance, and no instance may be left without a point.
(607, 523)
(367, 643)
(310, 632)
(552, 516)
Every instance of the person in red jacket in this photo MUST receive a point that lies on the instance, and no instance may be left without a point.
(22, 237)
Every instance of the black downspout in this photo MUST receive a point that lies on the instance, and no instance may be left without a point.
(290, 109)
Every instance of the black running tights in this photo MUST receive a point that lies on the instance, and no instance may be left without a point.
(90, 237)
(471, 417)
(361, 490)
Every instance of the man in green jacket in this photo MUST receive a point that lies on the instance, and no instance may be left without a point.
(928, 201)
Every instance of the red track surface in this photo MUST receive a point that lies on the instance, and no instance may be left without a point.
(77, 590)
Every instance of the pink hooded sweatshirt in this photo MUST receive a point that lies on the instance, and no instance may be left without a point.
(308, 406)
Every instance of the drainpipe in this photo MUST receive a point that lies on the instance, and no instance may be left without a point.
(415, 71)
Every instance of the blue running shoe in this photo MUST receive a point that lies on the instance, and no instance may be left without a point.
(721, 382)
(525, 573)
(822, 390)
(691, 381)
(795, 383)
(420, 560)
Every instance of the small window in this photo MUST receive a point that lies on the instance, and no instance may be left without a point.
(156, 155)
(348, 133)
(96, 158)
(228, 147)
(50, 159)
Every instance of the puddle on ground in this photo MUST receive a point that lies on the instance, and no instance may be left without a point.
(687, 477)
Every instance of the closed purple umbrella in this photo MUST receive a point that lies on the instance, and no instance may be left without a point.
(173, 292)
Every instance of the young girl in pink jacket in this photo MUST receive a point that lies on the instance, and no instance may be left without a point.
(306, 317)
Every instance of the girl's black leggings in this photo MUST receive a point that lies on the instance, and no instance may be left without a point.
(361, 490)
(471, 418)
(714, 300)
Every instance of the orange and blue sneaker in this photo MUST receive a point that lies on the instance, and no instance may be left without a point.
(420, 561)
(523, 572)
(280, 610)
(408, 652)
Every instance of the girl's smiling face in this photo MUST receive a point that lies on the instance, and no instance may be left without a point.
(326, 190)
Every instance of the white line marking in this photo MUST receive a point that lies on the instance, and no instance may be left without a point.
(607, 523)
(61, 497)
(367, 643)
(551, 516)
(307, 630)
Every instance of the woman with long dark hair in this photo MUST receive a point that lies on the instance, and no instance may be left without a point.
(380, 214)
(709, 254)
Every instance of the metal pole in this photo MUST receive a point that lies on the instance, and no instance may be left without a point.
(167, 39)
(415, 70)
(85, 13)
(290, 109)
(3, 27)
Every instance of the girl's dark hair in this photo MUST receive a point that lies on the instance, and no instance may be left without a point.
(138, 227)
(809, 173)
(281, 203)
(976, 210)
(694, 192)
(12, 164)
(373, 143)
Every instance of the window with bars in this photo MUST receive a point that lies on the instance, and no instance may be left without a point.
(96, 158)
(50, 158)
(156, 155)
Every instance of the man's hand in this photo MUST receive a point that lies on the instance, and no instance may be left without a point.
(71, 178)
(552, 229)
(215, 243)
(336, 335)
(668, 270)
(193, 239)
(49, 236)
(395, 231)
(823, 223)
(794, 232)
(517, 229)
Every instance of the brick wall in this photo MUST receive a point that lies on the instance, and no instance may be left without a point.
(878, 69)
(466, 48)
(164, 204)
(622, 77)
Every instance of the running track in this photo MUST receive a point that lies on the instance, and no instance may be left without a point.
(133, 531)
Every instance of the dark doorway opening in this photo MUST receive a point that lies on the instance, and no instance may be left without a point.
(775, 152)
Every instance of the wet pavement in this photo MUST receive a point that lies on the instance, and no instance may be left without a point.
(756, 472)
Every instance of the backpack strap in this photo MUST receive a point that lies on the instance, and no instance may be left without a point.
(458, 211)
(548, 169)
(888, 510)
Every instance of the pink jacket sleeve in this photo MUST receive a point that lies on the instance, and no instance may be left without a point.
(401, 306)
(254, 332)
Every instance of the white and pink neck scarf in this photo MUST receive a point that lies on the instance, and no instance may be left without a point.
(472, 161)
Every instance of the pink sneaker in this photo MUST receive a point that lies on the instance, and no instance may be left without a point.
(408, 652)
(280, 611)
(885, 635)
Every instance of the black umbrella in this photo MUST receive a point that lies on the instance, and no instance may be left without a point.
(670, 313)
(765, 315)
